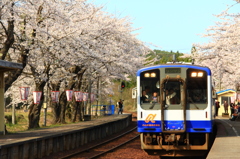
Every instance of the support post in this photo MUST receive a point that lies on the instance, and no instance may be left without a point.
(2, 105)
(45, 110)
(13, 113)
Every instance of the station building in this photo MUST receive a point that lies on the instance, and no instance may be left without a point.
(230, 96)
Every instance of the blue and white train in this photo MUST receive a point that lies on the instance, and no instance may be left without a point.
(175, 109)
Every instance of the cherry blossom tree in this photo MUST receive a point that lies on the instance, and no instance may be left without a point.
(221, 53)
(63, 40)
(7, 40)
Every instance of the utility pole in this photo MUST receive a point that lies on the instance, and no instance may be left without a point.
(45, 103)
(13, 113)
(89, 94)
(122, 86)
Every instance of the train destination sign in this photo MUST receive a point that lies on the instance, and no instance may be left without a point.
(172, 70)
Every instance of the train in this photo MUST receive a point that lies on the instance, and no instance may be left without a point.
(175, 109)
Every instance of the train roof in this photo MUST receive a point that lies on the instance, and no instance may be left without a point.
(174, 65)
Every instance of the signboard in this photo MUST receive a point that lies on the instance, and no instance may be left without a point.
(37, 97)
(24, 91)
(134, 93)
(55, 96)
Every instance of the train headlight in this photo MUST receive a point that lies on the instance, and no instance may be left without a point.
(146, 75)
(194, 74)
(197, 74)
(153, 74)
(200, 74)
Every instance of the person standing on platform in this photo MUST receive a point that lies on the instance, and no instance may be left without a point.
(117, 106)
(232, 107)
(120, 106)
(217, 106)
(225, 104)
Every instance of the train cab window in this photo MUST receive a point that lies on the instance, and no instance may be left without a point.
(196, 89)
(172, 93)
(150, 92)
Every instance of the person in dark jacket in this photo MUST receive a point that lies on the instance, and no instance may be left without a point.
(120, 106)
(217, 106)
(225, 104)
(232, 106)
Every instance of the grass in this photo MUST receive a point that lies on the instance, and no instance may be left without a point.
(21, 122)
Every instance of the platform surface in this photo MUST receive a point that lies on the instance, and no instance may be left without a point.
(227, 142)
(14, 138)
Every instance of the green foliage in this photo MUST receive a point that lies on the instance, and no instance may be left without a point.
(128, 84)
(131, 83)
(162, 57)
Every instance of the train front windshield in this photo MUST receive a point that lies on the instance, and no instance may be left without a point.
(173, 89)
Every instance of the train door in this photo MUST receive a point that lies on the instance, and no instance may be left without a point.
(173, 114)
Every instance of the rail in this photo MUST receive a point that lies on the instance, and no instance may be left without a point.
(103, 144)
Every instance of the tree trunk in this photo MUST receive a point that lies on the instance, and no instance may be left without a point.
(9, 39)
(34, 115)
(62, 105)
(13, 75)
(56, 112)
(81, 111)
(75, 110)
(56, 108)
(35, 110)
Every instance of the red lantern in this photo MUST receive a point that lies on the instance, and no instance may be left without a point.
(78, 96)
(55, 96)
(24, 91)
(69, 94)
(37, 96)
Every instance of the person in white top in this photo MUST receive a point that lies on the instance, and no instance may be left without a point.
(117, 106)
(169, 95)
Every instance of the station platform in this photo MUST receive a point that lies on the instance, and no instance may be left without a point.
(46, 141)
(227, 141)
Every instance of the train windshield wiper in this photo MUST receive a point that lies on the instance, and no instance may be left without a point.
(193, 102)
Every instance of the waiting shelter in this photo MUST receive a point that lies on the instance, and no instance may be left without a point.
(228, 95)
(5, 66)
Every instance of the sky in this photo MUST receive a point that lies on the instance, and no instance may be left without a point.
(170, 25)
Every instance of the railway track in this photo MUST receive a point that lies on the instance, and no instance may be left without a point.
(104, 147)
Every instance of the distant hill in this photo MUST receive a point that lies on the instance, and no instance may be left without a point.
(162, 57)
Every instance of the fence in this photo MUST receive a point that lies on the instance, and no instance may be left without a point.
(101, 110)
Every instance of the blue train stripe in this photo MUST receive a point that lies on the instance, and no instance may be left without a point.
(165, 66)
(192, 126)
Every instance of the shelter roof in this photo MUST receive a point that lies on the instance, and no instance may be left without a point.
(226, 91)
(8, 66)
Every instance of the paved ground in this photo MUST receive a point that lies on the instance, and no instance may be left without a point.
(227, 142)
